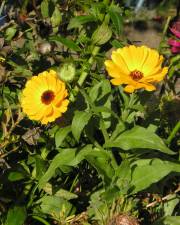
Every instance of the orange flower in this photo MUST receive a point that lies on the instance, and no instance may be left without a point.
(44, 97)
(136, 67)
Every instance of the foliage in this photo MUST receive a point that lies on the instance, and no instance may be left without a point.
(111, 152)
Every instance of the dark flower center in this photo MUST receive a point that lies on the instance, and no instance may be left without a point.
(47, 97)
(136, 75)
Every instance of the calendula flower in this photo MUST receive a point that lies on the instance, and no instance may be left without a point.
(44, 97)
(136, 67)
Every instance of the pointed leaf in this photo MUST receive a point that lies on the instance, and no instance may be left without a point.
(139, 138)
(61, 135)
(80, 120)
(67, 157)
(65, 41)
(80, 20)
(117, 19)
(151, 172)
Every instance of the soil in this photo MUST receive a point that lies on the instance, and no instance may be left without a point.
(144, 33)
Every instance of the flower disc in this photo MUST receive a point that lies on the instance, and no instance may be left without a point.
(44, 97)
(137, 67)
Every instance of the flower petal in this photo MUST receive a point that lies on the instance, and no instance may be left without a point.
(32, 103)
(120, 62)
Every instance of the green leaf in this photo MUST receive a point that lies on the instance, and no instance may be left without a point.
(56, 17)
(20, 70)
(10, 32)
(65, 194)
(54, 205)
(117, 44)
(123, 176)
(15, 176)
(40, 167)
(16, 215)
(120, 127)
(61, 134)
(148, 172)
(103, 162)
(100, 94)
(77, 21)
(45, 8)
(67, 157)
(116, 17)
(67, 42)
(101, 35)
(168, 220)
(99, 91)
(139, 138)
(80, 120)
(170, 204)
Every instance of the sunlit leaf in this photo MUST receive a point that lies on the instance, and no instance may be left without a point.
(151, 172)
(139, 138)
(16, 215)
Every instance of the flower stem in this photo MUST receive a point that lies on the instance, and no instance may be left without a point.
(40, 219)
(173, 133)
(166, 26)
(90, 61)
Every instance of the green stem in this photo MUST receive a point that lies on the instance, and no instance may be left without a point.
(84, 74)
(90, 61)
(40, 219)
(164, 32)
(166, 26)
(173, 133)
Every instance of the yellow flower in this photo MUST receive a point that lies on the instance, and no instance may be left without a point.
(137, 67)
(44, 97)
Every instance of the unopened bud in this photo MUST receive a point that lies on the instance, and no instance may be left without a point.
(67, 72)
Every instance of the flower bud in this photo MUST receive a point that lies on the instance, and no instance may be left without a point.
(67, 72)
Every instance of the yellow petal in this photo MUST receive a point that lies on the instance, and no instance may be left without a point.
(31, 101)
(156, 77)
(151, 62)
(120, 62)
(129, 88)
(59, 97)
(52, 81)
(127, 58)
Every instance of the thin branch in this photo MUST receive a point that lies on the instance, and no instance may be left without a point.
(6, 154)
(152, 204)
